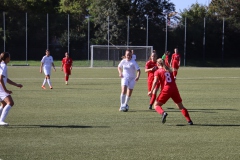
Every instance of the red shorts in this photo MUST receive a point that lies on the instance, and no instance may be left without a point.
(150, 85)
(67, 71)
(167, 93)
(175, 64)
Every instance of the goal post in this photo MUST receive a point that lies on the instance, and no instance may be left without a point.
(109, 56)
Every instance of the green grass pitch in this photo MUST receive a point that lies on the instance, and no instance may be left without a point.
(81, 120)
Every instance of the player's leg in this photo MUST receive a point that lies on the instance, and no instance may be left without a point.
(123, 93)
(178, 101)
(162, 99)
(9, 103)
(154, 95)
(131, 84)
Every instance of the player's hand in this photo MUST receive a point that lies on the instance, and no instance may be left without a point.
(40, 71)
(120, 75)
(9, 92)
(19, 85)
(150, 93)
(54, 69)
(137, 78)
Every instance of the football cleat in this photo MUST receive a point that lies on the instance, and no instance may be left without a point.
(43, 87)
(3, 124)
(190, 122)
(164, 117)
(150, 107)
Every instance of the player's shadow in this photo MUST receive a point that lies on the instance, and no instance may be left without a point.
(55, 126)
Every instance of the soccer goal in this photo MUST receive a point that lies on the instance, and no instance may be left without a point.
(109, 56)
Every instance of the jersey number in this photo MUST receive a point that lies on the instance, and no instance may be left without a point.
(168, 77)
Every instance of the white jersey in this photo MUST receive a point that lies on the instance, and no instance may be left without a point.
(3, 71)
(47, 61)
(47, 64)
(129, 68)
(134, 57)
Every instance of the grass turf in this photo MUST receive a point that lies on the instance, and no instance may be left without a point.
(81, 120)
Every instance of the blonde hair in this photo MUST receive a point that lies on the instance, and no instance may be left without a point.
(161, 62)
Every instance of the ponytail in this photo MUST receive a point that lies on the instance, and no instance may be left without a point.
(161, 62)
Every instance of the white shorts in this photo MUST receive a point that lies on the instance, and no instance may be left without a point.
(47, 70)
(129, 82)
(3, 94)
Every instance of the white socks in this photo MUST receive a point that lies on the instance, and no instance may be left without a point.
(5, 112)
(44, 81)
(49, 82)
(1, 108)
(122, 99)
(126, 100)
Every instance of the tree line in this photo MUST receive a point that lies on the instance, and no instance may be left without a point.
(113, 17)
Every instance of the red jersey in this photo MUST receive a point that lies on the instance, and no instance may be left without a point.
(175, 60)
(67, 62)
(168, 86)
(167, 61)
(176, 57)
(151, 64)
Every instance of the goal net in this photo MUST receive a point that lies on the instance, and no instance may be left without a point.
(110, 56)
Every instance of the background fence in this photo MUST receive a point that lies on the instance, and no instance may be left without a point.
(205, 42)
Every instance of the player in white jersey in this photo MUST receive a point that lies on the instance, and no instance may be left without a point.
(5, 94)
(46, 65)
(134, 57)
(127, 69)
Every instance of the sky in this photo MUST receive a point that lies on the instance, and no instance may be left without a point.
(186, 4)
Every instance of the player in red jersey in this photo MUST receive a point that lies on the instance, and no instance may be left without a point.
(67, 66)
(150, 68)
(168, 90)
(175, 62)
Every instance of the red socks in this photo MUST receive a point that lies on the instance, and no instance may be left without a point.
(159, 110)
(66, 78)
(185, 114)
(153, 97)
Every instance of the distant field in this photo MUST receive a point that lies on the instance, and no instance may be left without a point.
(81, 120)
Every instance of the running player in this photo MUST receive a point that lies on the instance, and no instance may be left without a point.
(175, 62)
(169, 89)
(67, 66)
(46, 65)
(150, 68)
(5, 94)
(127, 69)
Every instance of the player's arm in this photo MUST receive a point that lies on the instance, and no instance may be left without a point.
(41, 65)
(120, 72)
(53, 66)
(138, 75)
(14, 84)
(179, 61)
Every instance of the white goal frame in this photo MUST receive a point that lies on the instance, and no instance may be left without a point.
(110, 50)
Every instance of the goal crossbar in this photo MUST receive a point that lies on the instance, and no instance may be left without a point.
(113, 53)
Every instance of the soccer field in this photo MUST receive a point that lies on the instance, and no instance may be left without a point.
(81, 120)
